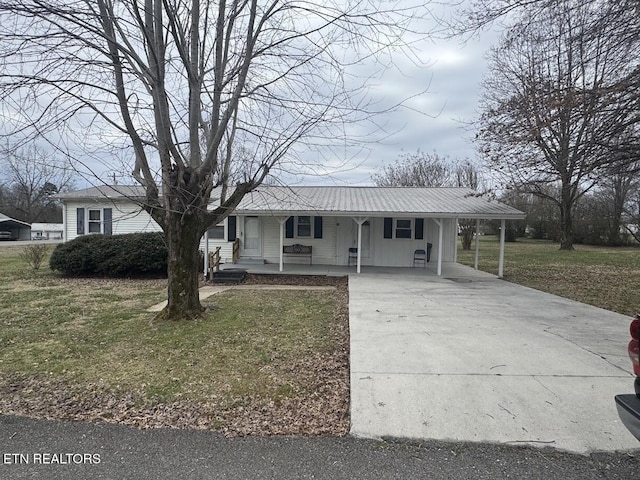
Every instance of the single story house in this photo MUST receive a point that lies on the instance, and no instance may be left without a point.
(328, 225)
(18, 229)
(46, 231)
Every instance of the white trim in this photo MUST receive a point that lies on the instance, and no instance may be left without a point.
(412, 228)
(296, 226)
(89, 222)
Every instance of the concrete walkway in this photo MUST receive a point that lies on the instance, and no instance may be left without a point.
(475, 358)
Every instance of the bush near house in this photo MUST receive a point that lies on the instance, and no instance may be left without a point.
(112, 255)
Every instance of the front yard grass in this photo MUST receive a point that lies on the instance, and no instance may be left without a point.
(607, 277)
(258, 362)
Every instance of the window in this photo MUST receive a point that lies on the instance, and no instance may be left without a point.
(217, 232)
(403, 228)
(95, 221)
(304, 226)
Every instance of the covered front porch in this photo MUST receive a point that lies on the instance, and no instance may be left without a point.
(450, 270)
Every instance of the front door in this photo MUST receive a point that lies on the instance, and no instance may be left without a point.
(251, 244)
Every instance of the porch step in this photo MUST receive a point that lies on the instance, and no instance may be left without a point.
(230, 275)
(250, 261)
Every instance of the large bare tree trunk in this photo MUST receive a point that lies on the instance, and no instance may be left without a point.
(183, 239)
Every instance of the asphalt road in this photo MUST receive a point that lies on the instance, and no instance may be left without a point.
(30, 449)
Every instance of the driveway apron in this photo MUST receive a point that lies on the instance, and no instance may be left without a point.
(481, 359)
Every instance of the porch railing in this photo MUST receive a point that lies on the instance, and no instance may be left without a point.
(214, 262)
(236, 251)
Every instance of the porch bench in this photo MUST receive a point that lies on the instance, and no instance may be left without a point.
(297, 251)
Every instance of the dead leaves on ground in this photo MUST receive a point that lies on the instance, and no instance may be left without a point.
(320, 405)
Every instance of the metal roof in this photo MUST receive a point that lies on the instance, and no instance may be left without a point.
(113, 192)
(438, 202)
(8, 220)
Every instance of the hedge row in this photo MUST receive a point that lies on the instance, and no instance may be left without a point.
(112, 255)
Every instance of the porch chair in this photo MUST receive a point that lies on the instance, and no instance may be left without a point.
(353, 254)
(420, 256)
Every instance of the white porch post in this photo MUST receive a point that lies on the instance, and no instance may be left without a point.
(475, 261)
(439, 223)
(455, 242)
(501, 257)
(206, 254)
(282, 221)
(359, 221)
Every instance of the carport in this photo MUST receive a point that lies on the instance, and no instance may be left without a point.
(19, 230)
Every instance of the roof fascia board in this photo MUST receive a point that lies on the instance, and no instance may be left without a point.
(481, 216)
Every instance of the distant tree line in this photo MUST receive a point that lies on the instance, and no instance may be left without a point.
(29, 180)
(560, 115)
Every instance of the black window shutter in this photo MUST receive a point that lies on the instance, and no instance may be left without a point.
(231, 228)
(419, 228)
(288, 228)
(317, 227)
(80, 220)
(388, 227)
(108, 225)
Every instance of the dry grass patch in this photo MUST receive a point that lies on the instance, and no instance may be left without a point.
(259, 362)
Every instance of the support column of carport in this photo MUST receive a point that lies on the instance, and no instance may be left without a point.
(359, 221)
(477, 253)
(281, 221)
(439, 223)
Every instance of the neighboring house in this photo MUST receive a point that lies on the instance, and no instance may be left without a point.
(385, 225)
(47, 231)
(18, 230)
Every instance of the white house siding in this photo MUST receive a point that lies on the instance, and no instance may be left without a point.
(226, 248)
(324, 249)
(398, 252)
(127, 217)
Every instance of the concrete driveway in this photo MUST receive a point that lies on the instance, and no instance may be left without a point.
(476, 358)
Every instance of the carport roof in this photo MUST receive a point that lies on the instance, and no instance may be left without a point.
(440, 202)
(4, 220)
(436, 202)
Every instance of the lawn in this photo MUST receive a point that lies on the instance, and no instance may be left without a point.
(258, 362)
(607, 277)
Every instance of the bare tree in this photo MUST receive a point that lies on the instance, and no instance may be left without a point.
(418, 169)
(553, 106)
(33, 177)
(422, 169)
(184, 84)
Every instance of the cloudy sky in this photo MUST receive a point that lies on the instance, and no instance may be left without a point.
(434, 121)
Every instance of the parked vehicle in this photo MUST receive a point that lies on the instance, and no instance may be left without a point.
(628, 405)
(6, 235)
